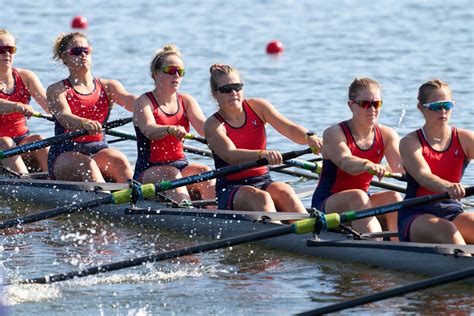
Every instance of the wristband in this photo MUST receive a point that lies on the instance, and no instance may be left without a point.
(309, 134)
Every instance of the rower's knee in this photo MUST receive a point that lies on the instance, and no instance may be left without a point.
(6, 143)
(358, 200)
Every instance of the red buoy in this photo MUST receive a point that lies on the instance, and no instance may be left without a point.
(275, 47)
(79, 22)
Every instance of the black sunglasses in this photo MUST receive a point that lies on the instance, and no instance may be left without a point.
(228, 88)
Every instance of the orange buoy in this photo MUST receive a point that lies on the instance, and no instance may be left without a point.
(79, 22)
(275, 47)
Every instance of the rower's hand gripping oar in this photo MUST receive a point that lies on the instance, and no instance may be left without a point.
(57, 139)
(146, 190)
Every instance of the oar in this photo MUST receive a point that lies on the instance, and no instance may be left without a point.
(305, 226)
(300, 227)
(125, 135)
(396, 176)
(402, 290)
(147, 190)
(333, 220)
(48, 117)
(57, 139)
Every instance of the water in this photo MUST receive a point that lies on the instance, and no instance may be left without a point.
(327, 44)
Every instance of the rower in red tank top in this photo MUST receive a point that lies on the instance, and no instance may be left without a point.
(251, 135)
(16, 88)
(162, 119)
(435, 158)
(94, 106)
(352, 154)
(236, 134)
(83, 102)
(14, 124)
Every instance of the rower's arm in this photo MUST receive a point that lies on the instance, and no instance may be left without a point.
(118, 94)
(223, 146)
(194, 113)
(143, 118)
(416, 165)
(466, 138)
(392, 151)
(35, 88)
(336, 149)
(57, 103)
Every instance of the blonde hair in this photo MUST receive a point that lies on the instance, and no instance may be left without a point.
(359, 84)
(217, 70)
(157, 61)
(428, 87)
(62, 41)
(5, 32)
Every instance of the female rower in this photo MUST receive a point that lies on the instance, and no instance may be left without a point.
(82, 101)
(17, 86)
(236, 133)
(353, 151)
(162, 119)
(435, 157)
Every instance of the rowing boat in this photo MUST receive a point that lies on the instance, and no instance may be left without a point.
(427, 259)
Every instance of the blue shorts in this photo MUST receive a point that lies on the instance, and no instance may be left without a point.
(225, 190)
(140, 168)
(87, 148)
(448, 210)
(320, 197)
(18, 139)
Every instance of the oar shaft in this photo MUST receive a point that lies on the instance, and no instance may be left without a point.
(402, 290)
(107, 199)
(196, 138)
(228, 242)
(48, 117)
(221, 172)
(56, 139)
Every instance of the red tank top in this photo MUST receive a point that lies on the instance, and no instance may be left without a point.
(168, 148)
(14, 124)
(375, 153)
(448, 164)
(251, 135)
(93, 106)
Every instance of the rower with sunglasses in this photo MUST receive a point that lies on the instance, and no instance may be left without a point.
(352, 155)
(236, 133)
(82, 101)
(435, 157)
(162, 118)
(17, 86)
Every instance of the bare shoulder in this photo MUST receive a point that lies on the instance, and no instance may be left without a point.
(56, 88)
(107, 83)
(143, 100)
(212, 123)
(409, 140)
(188, 99)
(26, 74)
(333, 132)
(465, 133)
(258, 102)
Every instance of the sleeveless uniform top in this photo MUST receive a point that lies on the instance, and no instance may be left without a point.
(251, 135)
(14, 124)
(94, 106)
(334, 180)
(448, 164)
(168, 148)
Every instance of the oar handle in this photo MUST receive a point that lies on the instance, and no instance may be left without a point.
(196, 138)
(307, 165)
(48, 117)
(57, 139)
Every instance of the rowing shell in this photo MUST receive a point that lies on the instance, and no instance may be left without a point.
(421, 258)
